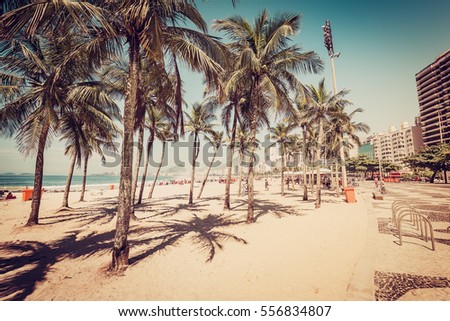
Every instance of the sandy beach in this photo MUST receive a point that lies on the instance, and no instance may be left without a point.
(200, 252)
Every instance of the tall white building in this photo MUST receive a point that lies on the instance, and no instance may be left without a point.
(396, 144)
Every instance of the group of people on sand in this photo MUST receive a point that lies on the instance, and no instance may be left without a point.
(173, 181)
(8, 196)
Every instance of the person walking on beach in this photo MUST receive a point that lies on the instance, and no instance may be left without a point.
(266, 184)
(376, 182)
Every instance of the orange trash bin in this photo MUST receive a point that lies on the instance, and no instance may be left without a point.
(27, 194)
(349, 194)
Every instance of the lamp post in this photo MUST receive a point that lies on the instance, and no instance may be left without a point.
(328, 41)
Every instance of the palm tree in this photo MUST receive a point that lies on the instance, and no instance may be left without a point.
(280, 133)
(319, 106)
(198, 122)
(267, 65)
(159, 99)
(94, 144)
(231, 103)
(343, 125)
(154, 29)
(45, 84)
(87, 127)
(164, 134)
(158, 94)
(158, 123)
(216, 141)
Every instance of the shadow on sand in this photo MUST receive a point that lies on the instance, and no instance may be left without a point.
(24, 264)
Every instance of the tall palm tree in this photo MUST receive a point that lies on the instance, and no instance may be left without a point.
(231, 103)
(159, 123)
(320, 104)
(198, 122)
(86, 127)
(267, 65)
(343, 125)
(154, 29)
(216, 141)
(280, 133)
(159, 98)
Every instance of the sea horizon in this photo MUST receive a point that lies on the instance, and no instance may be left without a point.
(56, 182)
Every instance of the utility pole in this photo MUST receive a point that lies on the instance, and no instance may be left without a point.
(328, 41)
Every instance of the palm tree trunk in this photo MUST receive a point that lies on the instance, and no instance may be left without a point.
(336, 166)
(150, 194)
(251, 173)
(38, 175)
(342, 156)
(226, 203)
(241, 162)
(194, 158)
(138, 160)
(144, 174)
(305, 184)
(121, 247)
(319, 150)
(282, 172)
(207, 174)
(83, 186)
(291, 174)
(65, 202)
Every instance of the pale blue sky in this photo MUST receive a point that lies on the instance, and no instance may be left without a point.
(383, 44)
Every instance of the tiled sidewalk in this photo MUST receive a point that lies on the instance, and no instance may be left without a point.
(388, 271)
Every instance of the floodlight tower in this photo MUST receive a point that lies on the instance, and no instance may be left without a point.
(328, 41)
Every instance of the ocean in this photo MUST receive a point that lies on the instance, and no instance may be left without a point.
(55, 182)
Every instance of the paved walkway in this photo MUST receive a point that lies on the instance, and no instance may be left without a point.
(388, 271)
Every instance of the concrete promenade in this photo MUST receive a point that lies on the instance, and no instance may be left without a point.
(388, 271)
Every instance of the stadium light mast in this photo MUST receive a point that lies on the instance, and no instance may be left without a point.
(328, 41)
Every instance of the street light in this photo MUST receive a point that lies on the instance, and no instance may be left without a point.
(328, 41)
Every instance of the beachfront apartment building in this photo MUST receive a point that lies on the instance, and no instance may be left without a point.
(433, 90)
(396, 144)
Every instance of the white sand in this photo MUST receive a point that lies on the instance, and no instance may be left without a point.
(292, 252)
